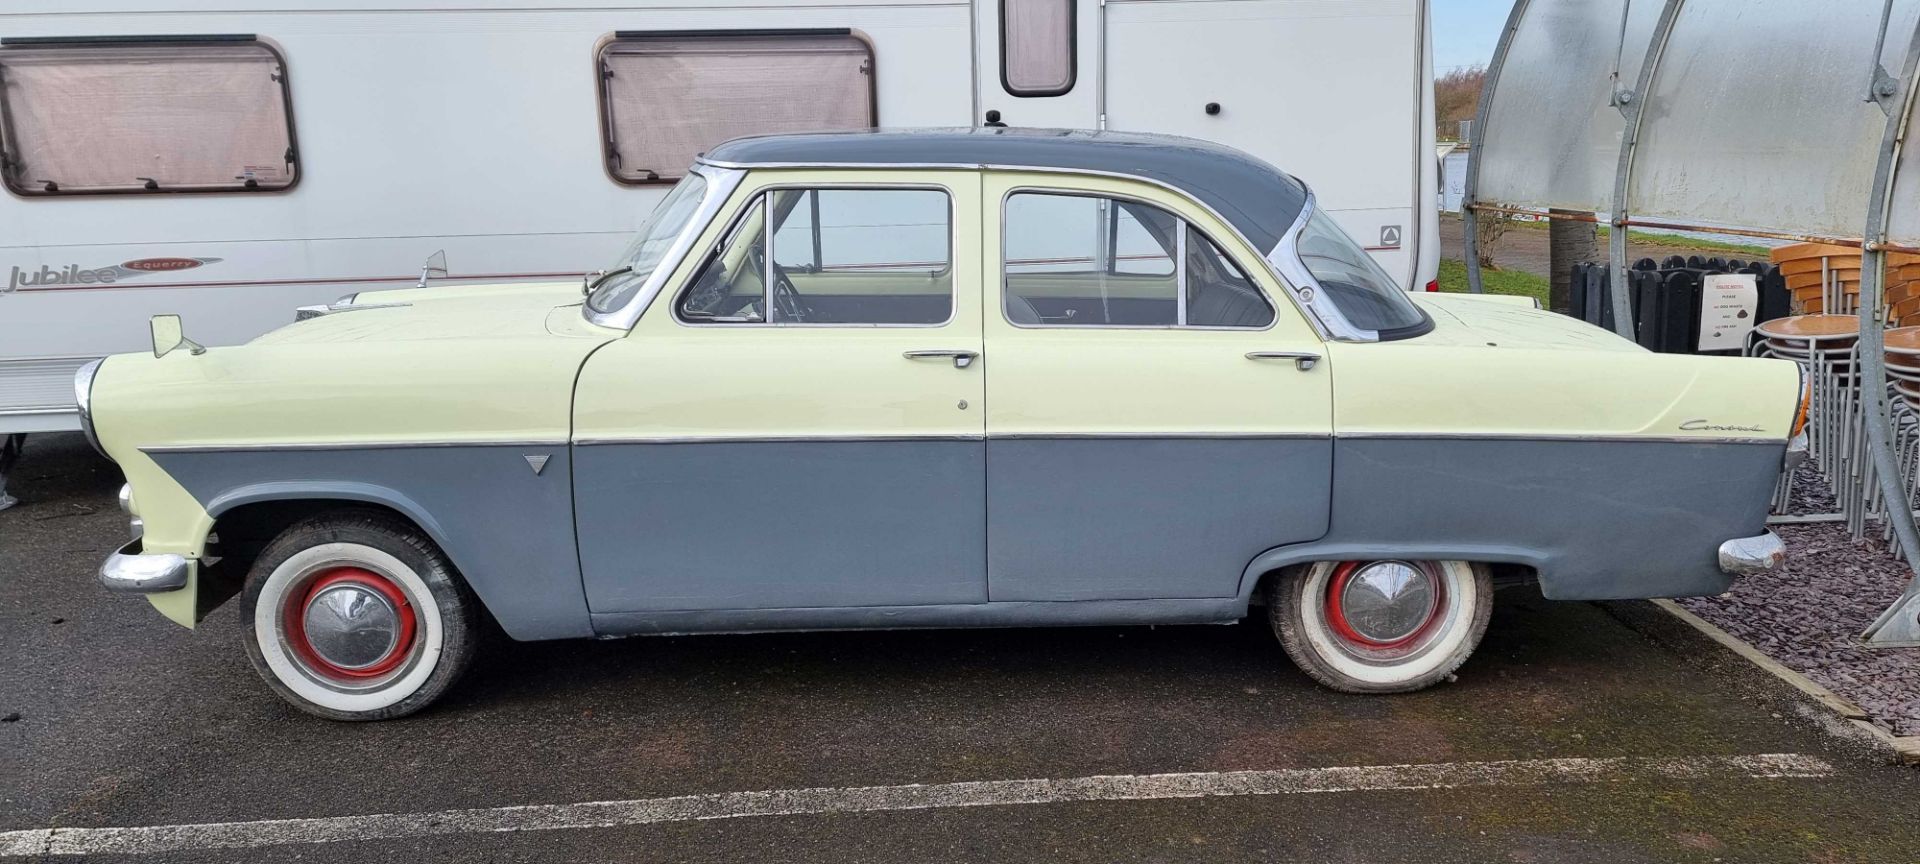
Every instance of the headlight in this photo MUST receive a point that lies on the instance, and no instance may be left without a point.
(83, 397)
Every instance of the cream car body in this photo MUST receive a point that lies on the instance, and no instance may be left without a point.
(629, 469)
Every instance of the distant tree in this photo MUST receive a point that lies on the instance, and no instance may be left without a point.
(1456, 96)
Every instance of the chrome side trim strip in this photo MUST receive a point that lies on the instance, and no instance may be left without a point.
(1160, 436)
(348, 445)
(1617, 439)
(600, 440)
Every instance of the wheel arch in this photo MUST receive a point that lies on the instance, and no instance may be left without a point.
(247, 518)
(1516, 562)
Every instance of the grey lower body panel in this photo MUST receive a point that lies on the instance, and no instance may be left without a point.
(1141, 519)
(1605, 519)
(782, 524)
(507, 529)
(1065, 614)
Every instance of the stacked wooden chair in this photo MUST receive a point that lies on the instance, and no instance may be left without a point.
(1824, 281)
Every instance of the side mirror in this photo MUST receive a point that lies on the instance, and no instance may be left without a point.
(168, 335)
(435, 268)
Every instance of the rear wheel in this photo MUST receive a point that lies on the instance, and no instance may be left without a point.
(357, 616)
(1381, 626)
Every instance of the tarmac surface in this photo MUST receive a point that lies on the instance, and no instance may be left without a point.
(1579, 732)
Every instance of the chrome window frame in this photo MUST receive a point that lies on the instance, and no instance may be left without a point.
(762, 199)
(721, 183)
(1179, 267)
(1283, 262)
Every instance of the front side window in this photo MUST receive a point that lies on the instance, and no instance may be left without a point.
(1037, 47)
(1087, 261)
(833, 256)
(667, 98)
(140, 117)
(1353, 283)
(631, 270)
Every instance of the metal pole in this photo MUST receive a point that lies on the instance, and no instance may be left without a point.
(1470, 196)
(1633, 103)
(1900, 624)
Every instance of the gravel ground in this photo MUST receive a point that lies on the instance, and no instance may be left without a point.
(1809, 614)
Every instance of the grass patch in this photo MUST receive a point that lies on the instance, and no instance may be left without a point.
(1653, 238)
(1679, 241)
(1453, 278)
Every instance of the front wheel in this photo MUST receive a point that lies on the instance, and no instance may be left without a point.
(1381, 626)
(357, 616)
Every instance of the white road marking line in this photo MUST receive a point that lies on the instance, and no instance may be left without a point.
(987, 793)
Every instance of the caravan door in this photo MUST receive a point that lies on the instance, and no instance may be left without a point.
(1038, 63)
(1329, 92)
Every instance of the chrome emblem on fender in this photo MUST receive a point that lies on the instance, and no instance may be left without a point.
(537, 463)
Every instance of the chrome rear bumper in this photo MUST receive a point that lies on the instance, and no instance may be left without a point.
(1796, 451)
(1745, 556)
(131, 571)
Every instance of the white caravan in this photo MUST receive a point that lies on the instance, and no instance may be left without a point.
(230, 161)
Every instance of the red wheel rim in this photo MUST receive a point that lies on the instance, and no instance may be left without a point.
(1336, 614)
(293, 620)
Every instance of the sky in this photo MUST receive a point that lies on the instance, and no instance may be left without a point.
(1464, 31)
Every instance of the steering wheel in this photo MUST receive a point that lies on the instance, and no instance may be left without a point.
(787, 299)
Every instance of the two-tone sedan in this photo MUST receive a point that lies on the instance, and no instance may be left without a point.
(976, 378)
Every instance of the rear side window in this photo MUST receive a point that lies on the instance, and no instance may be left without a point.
(1087, 261)
(1037, 47)
(667, 97)
(144, 116)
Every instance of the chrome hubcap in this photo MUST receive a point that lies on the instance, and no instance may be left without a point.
(1387, 601)
(351, 627)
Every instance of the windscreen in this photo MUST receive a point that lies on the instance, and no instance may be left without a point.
(631, 269)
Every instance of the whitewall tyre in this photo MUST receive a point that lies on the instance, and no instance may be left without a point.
(1381, 626)
(357, 616)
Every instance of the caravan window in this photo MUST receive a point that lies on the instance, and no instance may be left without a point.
(1036, 46)
(141, 116)
(667, 97)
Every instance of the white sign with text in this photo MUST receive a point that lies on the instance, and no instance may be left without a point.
(1728, 304)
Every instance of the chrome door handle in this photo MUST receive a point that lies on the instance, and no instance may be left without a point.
(961, 358)
(1302, 360)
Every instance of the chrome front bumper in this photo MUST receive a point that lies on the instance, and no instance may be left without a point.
(1746, 556)
(131, 571)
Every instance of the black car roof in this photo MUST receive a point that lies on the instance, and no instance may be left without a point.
(1258, 199)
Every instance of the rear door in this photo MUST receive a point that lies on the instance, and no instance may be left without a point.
(1147, 437)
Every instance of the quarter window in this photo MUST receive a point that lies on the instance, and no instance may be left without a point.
(1037, 46)
(141, 116)
(834, 256)
(668, 97)
(1084, 261)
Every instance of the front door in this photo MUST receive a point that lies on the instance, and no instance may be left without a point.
(797, 420)
(1149, 434)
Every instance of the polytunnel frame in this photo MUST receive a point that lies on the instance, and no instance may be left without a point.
(1900, 623)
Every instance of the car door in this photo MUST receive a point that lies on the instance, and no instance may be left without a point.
(796, 420)
(1151, 428)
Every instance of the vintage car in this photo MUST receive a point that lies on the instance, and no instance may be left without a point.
(967, 378)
